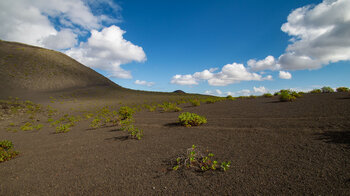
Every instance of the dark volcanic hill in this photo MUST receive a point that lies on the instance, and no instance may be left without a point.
(29, 68)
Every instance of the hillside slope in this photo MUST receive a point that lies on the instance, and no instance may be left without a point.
(29, 68)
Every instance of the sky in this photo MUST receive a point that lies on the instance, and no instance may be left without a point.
(240, 47)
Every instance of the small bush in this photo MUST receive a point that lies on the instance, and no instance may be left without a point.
(196, 160)
(63, 128)
(170, 107)
(6, 151)
(229, 97)
(316, 91)
(191, 119)
(125, 112)
(195, 102)
(27, 127)
(267, 95)
(342, 89)
(285, 96)
(276, 94)
(327, 89)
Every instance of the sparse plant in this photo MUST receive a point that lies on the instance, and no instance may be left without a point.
(6, 150)
(170, 107)
(194, 159)
(285, 96)
(63, 128)
(38, 126)
(95, 123)
(327, 89)
(125, 112)
(191, 119)
(27, 127)
(195, 102)
(342, 89)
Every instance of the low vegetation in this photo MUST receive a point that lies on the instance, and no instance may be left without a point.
(170, 107)
(314, 91)
(194, 159)
(327, 89)
(126, 121)
(267, 95)
(342, 89)
(6, 151)
(195, 102)
(188, 119)
(288, 95)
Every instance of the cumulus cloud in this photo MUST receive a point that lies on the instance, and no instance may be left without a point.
(260, 90)
(107, 50)
(320, 35)
(244, 92)
(269, 63)
(285, 75)
(144, 83)
(61, 40)
(59, 24)
(229, 74)
(184, 80)
(218, 92)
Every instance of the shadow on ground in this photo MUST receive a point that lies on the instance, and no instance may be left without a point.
(335, 137)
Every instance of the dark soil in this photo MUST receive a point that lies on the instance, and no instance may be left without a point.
(276, 148)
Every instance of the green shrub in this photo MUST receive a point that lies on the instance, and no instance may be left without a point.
(195, 102)
(276, 94)
(63, 128)
(191, 119)
(229, 97)
(27, 127)
(327, 89)
(95, 123)
(196, 160)
(125, 112)
(6, 151)
(170, 107)
(342, 89)
(285, 96)
(267, 95)
(316, 91)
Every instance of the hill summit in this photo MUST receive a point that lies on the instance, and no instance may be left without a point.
(29, 68)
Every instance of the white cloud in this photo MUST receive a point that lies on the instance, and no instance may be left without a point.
(285, 75)
(218, 92)
(269, 63)
(145, 83)
(244, 92)
(229, 74)
(260, 90)
(58, 25)
(320, 35)
(107, 50)
(61, 40)
(208, 92)
(230, 93)
(184, 80)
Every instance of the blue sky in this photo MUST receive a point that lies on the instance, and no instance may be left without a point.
(196, 46)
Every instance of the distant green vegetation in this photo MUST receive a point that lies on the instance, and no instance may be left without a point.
(342, 89)
(267, 95)
(288, 95)
(327, 89)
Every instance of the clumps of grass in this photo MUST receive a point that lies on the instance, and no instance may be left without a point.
(267, 95)
(327, 89)
(195, 102)
(6, 151)
(27, 127)
(63, 128)
(170, 107)
(126, 121)
(288, 95)
(151, 108)
(194, 159)
(188, 119)
(342, 89)
(314, 91)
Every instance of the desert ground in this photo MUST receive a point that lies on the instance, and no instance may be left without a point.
(275, 148)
